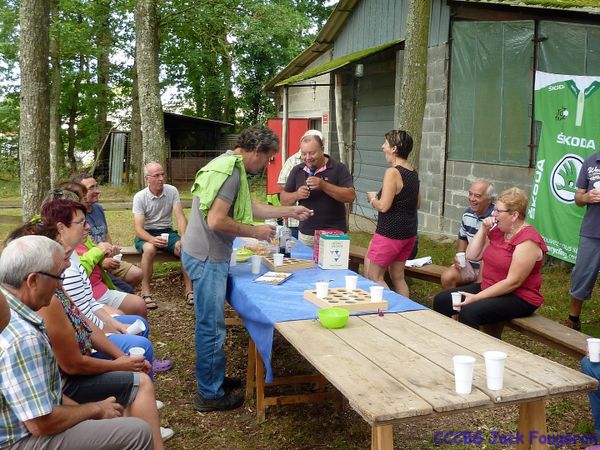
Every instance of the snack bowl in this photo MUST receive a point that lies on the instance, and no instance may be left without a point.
(333, 317)
(243, 254)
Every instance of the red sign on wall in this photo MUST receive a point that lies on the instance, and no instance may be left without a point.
(325, 119)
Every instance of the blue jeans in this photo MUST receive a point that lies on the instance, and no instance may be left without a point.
(210, 287)
(593, 370)
(126, 341)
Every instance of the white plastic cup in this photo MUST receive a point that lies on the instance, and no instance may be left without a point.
(322, 288)
(118, 257)
(165, 237)
(256, 259)
(463, 373)
(136, 327)
(456, 300)
(462, 259)
(351, 281)
(278, 259)
(594, 349)
(136, 351)
(494, 369)
(376, 293)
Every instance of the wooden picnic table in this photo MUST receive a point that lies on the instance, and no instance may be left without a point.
(399, 367)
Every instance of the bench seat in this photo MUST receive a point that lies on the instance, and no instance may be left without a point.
(131, 255)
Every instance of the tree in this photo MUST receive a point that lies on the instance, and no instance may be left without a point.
(34, 134)
(146, 51)
(55, 82)
(413, 91)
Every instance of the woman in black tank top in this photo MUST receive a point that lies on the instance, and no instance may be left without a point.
(397, 203)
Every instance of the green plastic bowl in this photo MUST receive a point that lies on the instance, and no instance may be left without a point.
(243, 254)
(333, 317)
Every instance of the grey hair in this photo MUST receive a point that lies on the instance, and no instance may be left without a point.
(489, 192)
(25, 255)
(149, 163)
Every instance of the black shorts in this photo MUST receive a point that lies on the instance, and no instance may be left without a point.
(94, 388)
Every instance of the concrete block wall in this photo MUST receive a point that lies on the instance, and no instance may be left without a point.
(459, 177)
(433, 141)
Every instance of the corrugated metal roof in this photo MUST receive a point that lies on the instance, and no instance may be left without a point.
(323, 42)
(337, 63)
(199, 119)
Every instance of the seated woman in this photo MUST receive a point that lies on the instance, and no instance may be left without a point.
(91, 258)
(513, 254)
(88, 379)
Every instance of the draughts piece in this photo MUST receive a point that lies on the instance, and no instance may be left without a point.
(356, 300)
(289, 264)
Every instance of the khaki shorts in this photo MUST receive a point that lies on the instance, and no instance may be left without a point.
(122, 270)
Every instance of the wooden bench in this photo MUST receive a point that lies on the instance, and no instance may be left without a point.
(430, 272)
(538, 327)
(131, 255)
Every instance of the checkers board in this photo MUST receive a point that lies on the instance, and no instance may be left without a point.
(355, 300)
(289, 264)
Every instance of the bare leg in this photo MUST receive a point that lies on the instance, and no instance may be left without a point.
(397, 273)
(134, 276)
(576, 307)
(147, 266)
(451, 278)
(377, 274)
(144, 407)
(134, 305)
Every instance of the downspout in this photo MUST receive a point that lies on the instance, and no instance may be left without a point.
(284, 126)
(339, 118)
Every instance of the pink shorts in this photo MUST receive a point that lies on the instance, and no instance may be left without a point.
(384, 251)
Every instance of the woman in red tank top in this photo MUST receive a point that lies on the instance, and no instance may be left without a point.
(512, 253)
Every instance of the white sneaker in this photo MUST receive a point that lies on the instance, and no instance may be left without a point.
(166, 433)
(159, 405)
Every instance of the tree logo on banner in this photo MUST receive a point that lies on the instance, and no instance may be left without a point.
(564, 177)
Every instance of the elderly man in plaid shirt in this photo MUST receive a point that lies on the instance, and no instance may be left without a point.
(33, 412)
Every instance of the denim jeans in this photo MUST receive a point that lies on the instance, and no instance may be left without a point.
(210, 287)
(593, 370)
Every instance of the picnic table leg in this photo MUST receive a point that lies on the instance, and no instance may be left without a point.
(260, 386)
(251, 370)
(382, 437)
(532, 419)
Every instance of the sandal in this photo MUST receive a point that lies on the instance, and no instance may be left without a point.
(162, 365)
(150, 304)
(189, 298)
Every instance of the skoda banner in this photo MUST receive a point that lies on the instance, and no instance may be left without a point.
(568, 108)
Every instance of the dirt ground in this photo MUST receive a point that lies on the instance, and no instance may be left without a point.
(316, 426)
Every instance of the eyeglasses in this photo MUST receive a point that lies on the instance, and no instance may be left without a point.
(58, 278)
(81, 222)
(498, 211)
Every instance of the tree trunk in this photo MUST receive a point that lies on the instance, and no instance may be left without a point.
(228, 109)
(55, 86)
(34, 133)
(151, 114)
(136, 157)
(413, 91)
(103, 48)
(73, 110)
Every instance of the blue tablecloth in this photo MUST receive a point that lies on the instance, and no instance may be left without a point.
(261, 306)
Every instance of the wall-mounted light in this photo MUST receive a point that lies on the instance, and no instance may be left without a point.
(359, 71)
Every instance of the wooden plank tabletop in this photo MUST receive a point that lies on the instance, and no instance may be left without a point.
(399, 366)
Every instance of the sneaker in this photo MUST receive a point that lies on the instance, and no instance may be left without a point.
(159, 405)
(225, 403)
(166, 433)
(230, 383)
(573, 325)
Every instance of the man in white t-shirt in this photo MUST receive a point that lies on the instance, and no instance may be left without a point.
(153, 209)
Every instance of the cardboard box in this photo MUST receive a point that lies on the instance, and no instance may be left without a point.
(334, 250)
(317, 241)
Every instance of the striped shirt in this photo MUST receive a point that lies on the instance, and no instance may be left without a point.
(30, 383)
(77, 284)
(471, 222)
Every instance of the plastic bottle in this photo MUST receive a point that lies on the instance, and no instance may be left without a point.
(285, 239)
